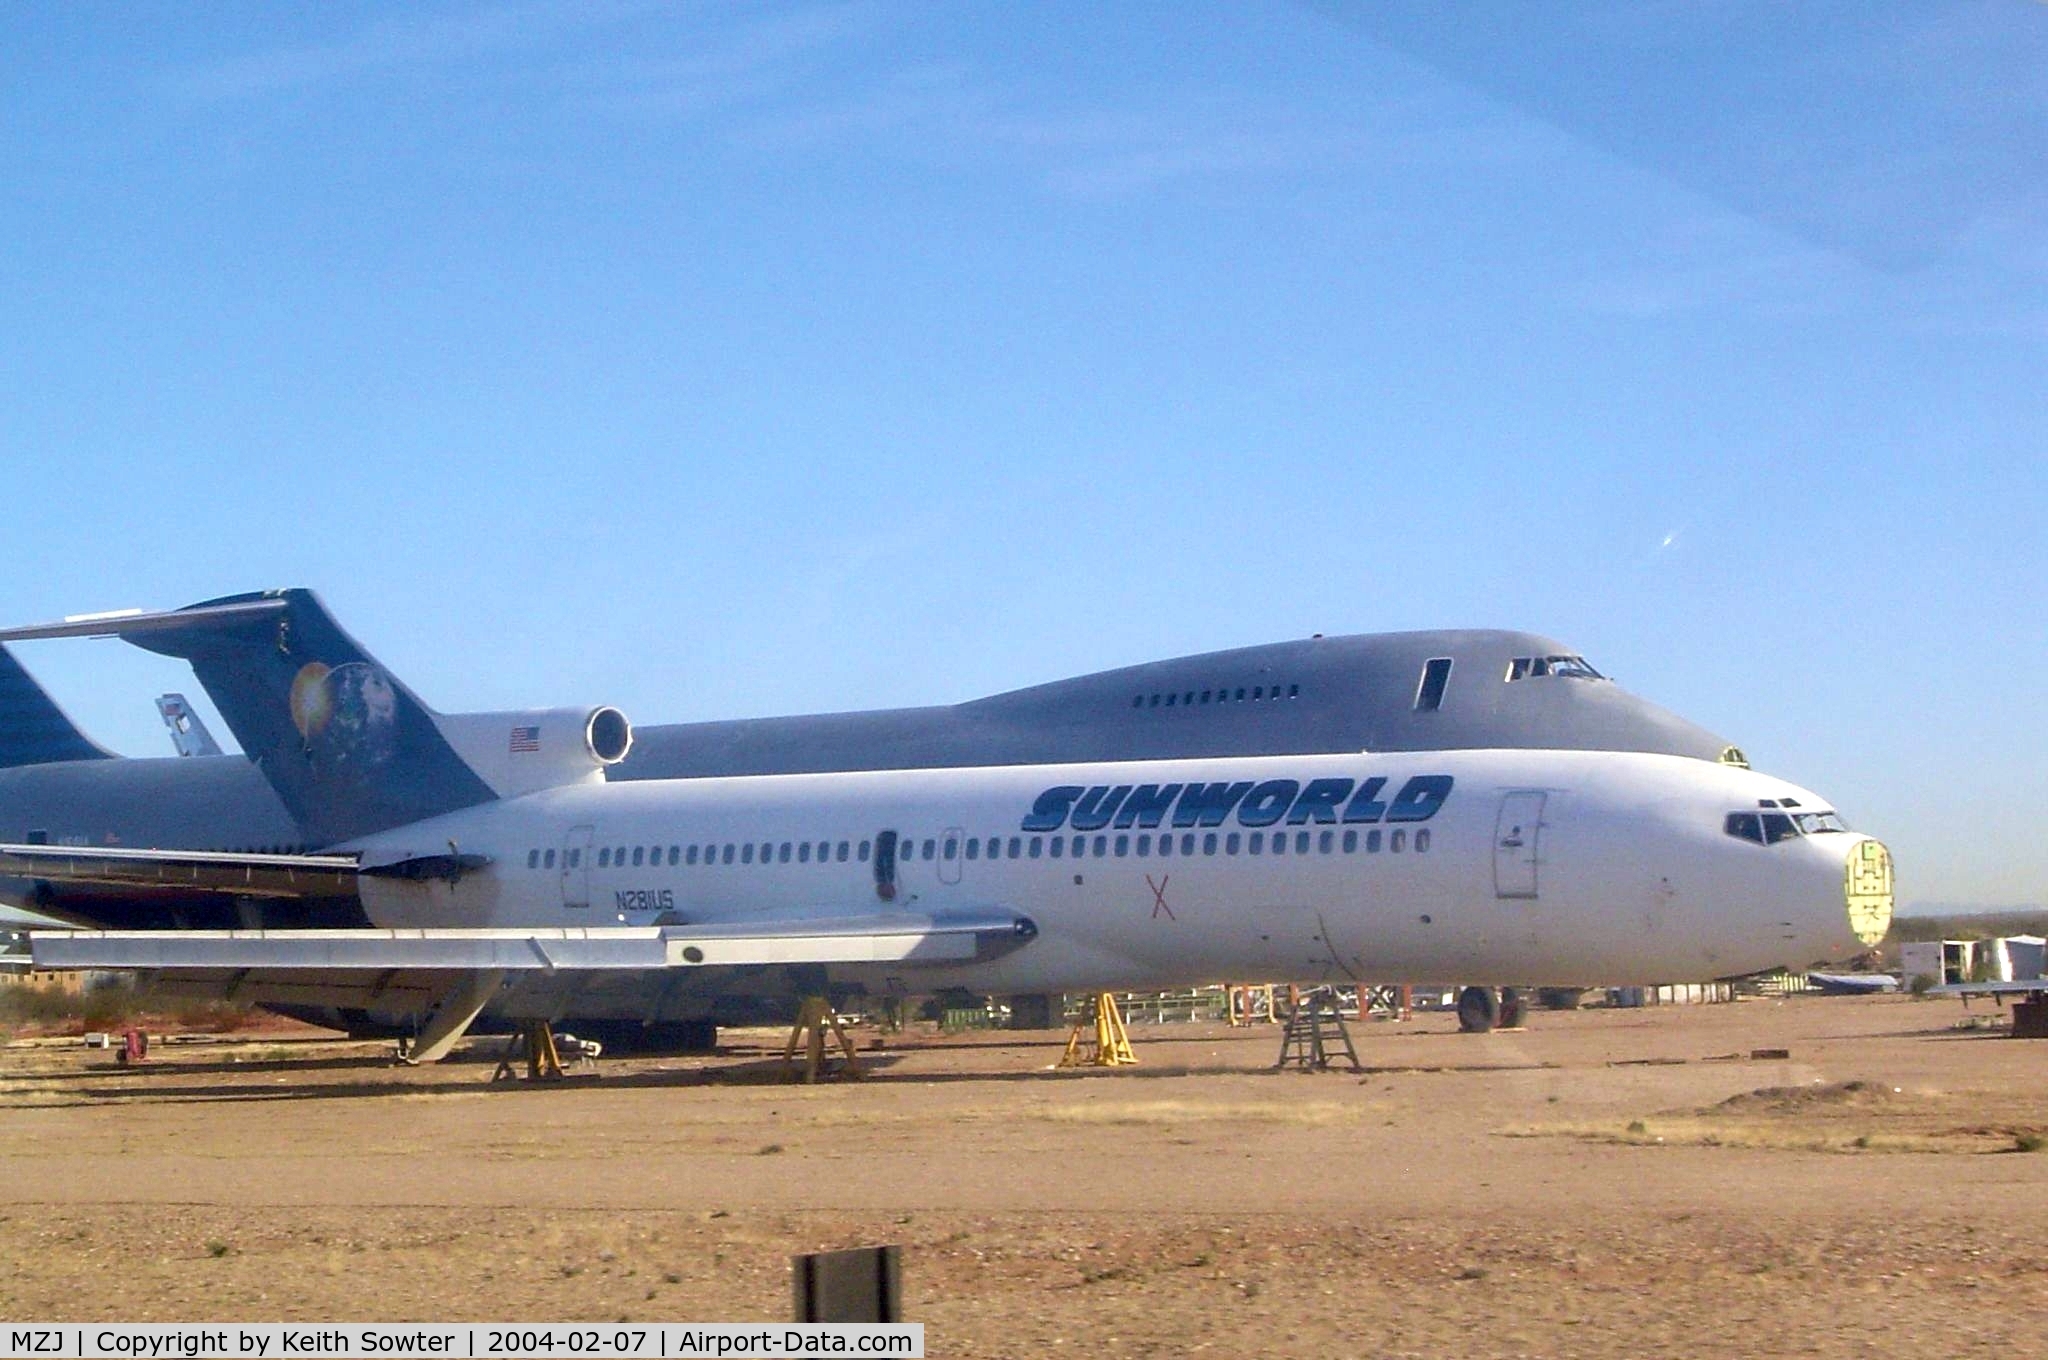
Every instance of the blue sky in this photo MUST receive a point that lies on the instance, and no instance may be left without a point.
(727, 360)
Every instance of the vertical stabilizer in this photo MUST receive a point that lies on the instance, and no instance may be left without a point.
(348, 748)
(33, 730)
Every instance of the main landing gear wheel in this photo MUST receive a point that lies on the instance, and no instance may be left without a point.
(1478, 1010)
(1514, 1008)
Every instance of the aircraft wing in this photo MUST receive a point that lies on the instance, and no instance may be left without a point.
(243, 875)
(950, 937)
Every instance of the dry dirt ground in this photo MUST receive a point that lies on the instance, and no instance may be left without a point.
(1607, 1183)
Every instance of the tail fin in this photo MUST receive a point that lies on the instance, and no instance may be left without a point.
(33, 730)
(348, 748)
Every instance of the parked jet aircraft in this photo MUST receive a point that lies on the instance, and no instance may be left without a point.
(1450, 690)
(476, 873)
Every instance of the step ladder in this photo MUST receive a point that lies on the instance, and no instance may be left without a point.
(1316, 1038)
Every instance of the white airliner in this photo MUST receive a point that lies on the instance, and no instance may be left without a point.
(655, 899)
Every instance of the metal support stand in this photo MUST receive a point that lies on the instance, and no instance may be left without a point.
(814, 1020)
(535, 1042)
(1316, 1035)
(1111, 1043)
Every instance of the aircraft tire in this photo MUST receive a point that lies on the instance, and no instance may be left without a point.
(1478, 1010)
(1514, 1008)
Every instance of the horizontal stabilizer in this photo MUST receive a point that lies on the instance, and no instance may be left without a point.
(244, 875)
(950, 938)
(139, 623)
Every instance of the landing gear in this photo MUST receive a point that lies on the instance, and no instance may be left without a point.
(1478, 1010)
(1481, 1009)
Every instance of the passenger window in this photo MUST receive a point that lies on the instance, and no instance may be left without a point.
(974, 847)
(639, 853)
(863, 852)
(1326, 841)
(1294, 691)
(1208, 844)
(533, 859)
(576, 858)
(725, 855)
(1229, 843)
(1101, 846)
(931, 849)
(839, 856)
(1351, 842)
(1205, 696)
(1258, 691)
(1372, 842)
(604, 857)
(1165, 844)
(1279, 842)
(1123, 845)
(1398, 842)
(1421, 841)
(803, 852)
(747, 853)
(952, 848)
(1016, 846)
(1037, 846)
(1059, 846)
(782, 855)
(1239, 698)
(691, 857)
(548, 860)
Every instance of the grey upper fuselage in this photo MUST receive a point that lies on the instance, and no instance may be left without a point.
(1333, 694)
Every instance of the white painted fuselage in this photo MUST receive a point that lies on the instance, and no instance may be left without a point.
(1542, 867)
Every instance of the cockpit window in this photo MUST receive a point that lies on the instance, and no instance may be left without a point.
(1768, 828)
(1566, 667)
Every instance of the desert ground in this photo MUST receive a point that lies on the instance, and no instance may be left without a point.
(1605, 1183)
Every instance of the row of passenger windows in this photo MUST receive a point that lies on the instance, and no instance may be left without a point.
(1143, 845)
(1226, 695)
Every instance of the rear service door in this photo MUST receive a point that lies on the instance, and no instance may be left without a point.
(1516, 835)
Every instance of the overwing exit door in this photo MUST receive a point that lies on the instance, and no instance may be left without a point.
(576, 866)
(1517, 834)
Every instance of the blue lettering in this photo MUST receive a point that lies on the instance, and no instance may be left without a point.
(1049, 813)
(1318, 802)
(1208, 804)
(1263, 806)
(1365, 805)
(1146, 806)
(1097, 806)
(1420, 798)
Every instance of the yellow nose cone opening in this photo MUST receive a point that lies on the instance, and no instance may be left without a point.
(1867, 886)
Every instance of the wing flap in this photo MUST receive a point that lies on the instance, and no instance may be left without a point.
(943, 938)
(244, 875)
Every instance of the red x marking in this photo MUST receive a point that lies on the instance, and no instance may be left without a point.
(1159, 896)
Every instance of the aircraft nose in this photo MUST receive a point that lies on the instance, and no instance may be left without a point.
(1867, 889)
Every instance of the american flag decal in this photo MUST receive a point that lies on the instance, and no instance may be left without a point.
(525, 739)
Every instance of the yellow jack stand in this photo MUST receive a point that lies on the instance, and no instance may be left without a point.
(536, 1041)
(813, 1021)
(1112, 1045)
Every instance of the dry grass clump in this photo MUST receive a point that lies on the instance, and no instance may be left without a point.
(1314, 1113)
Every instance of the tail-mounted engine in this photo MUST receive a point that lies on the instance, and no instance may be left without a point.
(524, 752)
